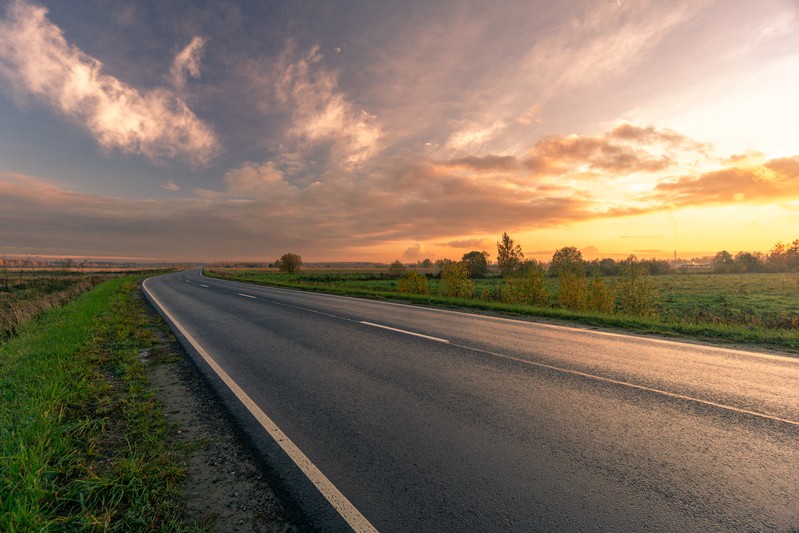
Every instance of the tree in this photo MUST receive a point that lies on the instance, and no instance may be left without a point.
(396, 269)
(656, 267)
(568, 259)
(455, 281)
(289, 263)
(722, 262)
(749, 262)
(476, 263)
(509, 255)
(426, 263)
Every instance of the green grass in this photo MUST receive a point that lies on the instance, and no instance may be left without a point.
(83, 445)
(754, 309)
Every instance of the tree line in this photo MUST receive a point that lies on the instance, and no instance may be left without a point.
(524, 280)
(781, 258)
(511, 261)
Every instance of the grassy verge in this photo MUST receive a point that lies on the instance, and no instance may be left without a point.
(83, 445)
(677, 324)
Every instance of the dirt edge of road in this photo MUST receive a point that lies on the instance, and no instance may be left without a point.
(225, 490)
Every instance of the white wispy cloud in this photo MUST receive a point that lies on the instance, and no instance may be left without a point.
(38, 60)
(320, 113)
(187, 62)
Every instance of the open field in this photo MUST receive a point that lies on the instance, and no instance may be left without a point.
(758, 309)
(23, 297)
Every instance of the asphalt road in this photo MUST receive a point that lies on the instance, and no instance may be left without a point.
(458, 422)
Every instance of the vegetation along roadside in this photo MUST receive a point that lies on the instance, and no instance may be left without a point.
(757, 310)
(86, 444)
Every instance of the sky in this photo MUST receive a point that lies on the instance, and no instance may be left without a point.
(374, 131)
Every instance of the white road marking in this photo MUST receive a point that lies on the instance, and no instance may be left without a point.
(206, 286)
(632, 385)
(675, 395)
(247, 296)
(345, 508)
(404, 331)
(187, 281)
(531, 323)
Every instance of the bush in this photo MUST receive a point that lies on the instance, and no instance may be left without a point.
(599, 298)
(571, 290)
(634, 290)
(413, 283)
(455, 281)
(527, 287)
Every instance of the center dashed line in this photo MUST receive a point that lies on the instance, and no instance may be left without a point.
(404, 331)
(587, 375)
(248, 296)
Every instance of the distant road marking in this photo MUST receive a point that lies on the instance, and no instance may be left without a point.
(206, 286)
(632, 385)
(404, 331)
(247, 296)
(531, 323)
(187, 281)
(340, 503)
(553, 367)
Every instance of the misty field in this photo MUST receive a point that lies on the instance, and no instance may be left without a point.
(748, 308)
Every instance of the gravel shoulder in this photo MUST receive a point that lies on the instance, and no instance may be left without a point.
(225, 490)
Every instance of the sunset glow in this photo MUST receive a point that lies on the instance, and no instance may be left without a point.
(348, 131)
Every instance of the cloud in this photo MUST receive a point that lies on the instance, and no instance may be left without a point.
(170, 186)
(252, 178)
(37, 59)
(187, 62)
(625, 149)
(482, 244)
(415, 252)
(494, 76)
(486, 163)
(604, 41)
(772, 181)
(473, 137)
(319, 113)
(530, 115)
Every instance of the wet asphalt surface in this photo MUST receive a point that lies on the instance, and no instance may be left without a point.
(509, 425)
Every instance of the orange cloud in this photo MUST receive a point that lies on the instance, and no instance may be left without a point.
(486, 163)
(775, 180)
(625, 149)
(469, 243)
